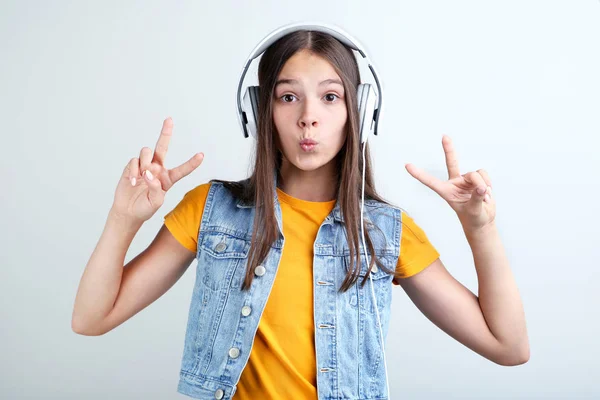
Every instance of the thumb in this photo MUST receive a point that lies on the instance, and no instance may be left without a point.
(477, 196)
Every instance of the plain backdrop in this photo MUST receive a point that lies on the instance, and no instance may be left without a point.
(85, 85)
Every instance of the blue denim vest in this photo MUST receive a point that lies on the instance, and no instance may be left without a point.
(223, 319)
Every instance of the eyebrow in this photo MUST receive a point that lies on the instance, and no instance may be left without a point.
(295, 82)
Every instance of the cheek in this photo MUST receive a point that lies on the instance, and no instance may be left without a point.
(281, 118)
(284, 138)
(340, 139)
(340, 125)
(276, 118)
(344, 115)
(338, 117)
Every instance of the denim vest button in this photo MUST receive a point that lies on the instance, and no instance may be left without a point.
(260, 270)
(246, 311)
(375, 269)
(220, 247)
(234, 352)
(219, 394)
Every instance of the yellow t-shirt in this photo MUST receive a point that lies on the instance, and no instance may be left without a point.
(282, 361)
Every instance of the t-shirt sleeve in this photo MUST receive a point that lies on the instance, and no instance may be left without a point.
(184, 220)
(416, 251)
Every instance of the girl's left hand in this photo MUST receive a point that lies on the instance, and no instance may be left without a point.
(470, 195)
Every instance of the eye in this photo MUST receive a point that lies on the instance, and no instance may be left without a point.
(329, 99)
(286, 96)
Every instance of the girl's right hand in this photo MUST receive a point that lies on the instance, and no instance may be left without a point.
(145, 180)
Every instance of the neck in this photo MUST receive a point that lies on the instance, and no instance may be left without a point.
(316, 185)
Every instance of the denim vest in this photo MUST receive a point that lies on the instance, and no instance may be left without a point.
(223, 319)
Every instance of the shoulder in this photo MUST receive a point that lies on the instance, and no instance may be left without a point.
(411, 229)
(199, 192)
(192, 202)
(383, 209)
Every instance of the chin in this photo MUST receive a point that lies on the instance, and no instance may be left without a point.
(307, 167)
(309, 164)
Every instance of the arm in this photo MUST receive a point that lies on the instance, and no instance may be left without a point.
(109, 294)
(101, 279)
(493, 324)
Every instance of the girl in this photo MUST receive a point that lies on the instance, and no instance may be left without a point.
(280, 308)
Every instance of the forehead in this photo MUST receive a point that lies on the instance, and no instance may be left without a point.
(307, 64)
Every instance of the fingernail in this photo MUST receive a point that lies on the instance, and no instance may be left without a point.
(149, 175)
(481, 190)
(487, 198)
(133, 181)
(489, 189)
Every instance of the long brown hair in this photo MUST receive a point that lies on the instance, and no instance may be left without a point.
(258, 188)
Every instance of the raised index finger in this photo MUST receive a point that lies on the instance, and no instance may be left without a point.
(162, 145)
(451, 160)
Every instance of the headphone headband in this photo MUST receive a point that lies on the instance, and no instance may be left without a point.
(278, 33)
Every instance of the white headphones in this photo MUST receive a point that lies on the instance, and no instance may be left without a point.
(369, 117)
(369, 102)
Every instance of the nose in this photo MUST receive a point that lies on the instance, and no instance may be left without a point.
(308, 118)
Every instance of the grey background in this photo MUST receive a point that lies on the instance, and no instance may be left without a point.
(85, 85)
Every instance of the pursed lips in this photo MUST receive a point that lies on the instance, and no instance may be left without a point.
(307, 144)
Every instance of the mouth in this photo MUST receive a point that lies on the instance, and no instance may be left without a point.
(308, 145)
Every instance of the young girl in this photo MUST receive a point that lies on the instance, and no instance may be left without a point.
(282, 306)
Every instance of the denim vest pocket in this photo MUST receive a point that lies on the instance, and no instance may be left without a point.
(224, 257)
(361, 297)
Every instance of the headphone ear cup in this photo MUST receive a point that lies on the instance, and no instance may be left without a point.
(250, 109)
(367, 101)
(361, 109)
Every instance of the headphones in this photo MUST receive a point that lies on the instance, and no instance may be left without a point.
(369, 101)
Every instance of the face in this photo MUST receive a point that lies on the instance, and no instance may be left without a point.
(309, 112)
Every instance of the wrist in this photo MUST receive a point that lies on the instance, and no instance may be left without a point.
(123, 221)
(481, 233)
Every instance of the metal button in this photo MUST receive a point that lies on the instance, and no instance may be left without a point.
(246, 311)
(260, 270)
(375, 269)
(220, 247)
(219, 394)
(234, 352)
